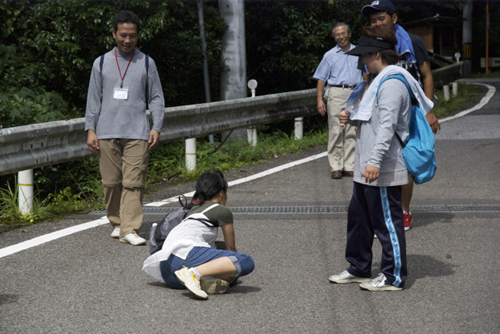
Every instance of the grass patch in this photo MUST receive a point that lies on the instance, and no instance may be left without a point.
(467, 97)
(492, 74)
(167, 162)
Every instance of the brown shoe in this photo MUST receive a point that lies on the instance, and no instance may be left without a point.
(348, 173)
(336, 174)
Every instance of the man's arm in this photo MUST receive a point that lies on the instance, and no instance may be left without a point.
(428, 81)
(156, 103)
(92, 141)
(154, 137)
(319, 97)
(93, 108)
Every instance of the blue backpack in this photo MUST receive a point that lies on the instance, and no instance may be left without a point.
(418, 150)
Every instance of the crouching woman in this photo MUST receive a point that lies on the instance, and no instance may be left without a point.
(189, 258)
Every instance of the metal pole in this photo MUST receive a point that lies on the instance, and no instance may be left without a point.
(467, 37)
(487, 35)
(206, 78)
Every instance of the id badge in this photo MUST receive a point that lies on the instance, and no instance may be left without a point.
(120, 93)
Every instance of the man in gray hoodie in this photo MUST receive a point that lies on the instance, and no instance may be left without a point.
(123, 83)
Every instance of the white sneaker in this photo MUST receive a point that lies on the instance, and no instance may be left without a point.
(115, 233)
(133, 239)
(191, 282)
(213, 285)
(346, 277)
(379, 283)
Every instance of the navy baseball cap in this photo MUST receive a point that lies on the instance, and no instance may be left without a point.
(368, 45)
(378, 6)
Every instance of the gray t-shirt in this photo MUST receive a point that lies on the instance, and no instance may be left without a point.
(113, 118)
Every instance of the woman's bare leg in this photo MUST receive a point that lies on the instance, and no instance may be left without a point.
(222, 267)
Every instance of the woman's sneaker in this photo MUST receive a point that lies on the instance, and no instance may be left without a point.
(379, 283)
(346, 277)
(213, 285)
(191, 282)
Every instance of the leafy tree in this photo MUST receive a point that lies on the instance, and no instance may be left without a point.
(287, 40)
(48, 48)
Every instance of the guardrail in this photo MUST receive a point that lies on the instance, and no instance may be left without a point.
(38, 145)
(444, 75)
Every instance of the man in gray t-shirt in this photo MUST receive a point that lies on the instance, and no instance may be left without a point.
(123, 83)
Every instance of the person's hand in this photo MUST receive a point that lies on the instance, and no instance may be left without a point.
(344, 117)
(154, 136)
(433, 121)
(321, 108)
(371, 173)
(92, 141)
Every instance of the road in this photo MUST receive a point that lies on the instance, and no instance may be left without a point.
(87, 282)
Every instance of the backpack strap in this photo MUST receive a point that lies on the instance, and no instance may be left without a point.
(400, 77)
(412, 97)
(101, 62)
(204, 221)
(146, 60)
(210, 207)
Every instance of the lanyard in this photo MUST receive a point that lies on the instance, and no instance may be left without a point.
(119, 71)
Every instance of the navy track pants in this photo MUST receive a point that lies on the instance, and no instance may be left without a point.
(376, 210)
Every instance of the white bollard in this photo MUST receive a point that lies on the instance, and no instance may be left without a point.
(252, 135)
(299, 128)
(446, 92)
(191, 154)
(25, 192)
(454, 88)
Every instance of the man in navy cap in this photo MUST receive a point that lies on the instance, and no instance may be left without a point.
(414, 58)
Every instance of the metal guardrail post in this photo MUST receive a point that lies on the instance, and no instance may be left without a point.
(191, 154)
(252, 130)
(299, 128)
(25, 193)
(446, 92)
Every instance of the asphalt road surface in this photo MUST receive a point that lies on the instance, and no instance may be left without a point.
(87, 282)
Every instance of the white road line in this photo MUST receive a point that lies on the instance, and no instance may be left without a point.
(51, 236)
(482, 103)
(103, 221)
(248, 178)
